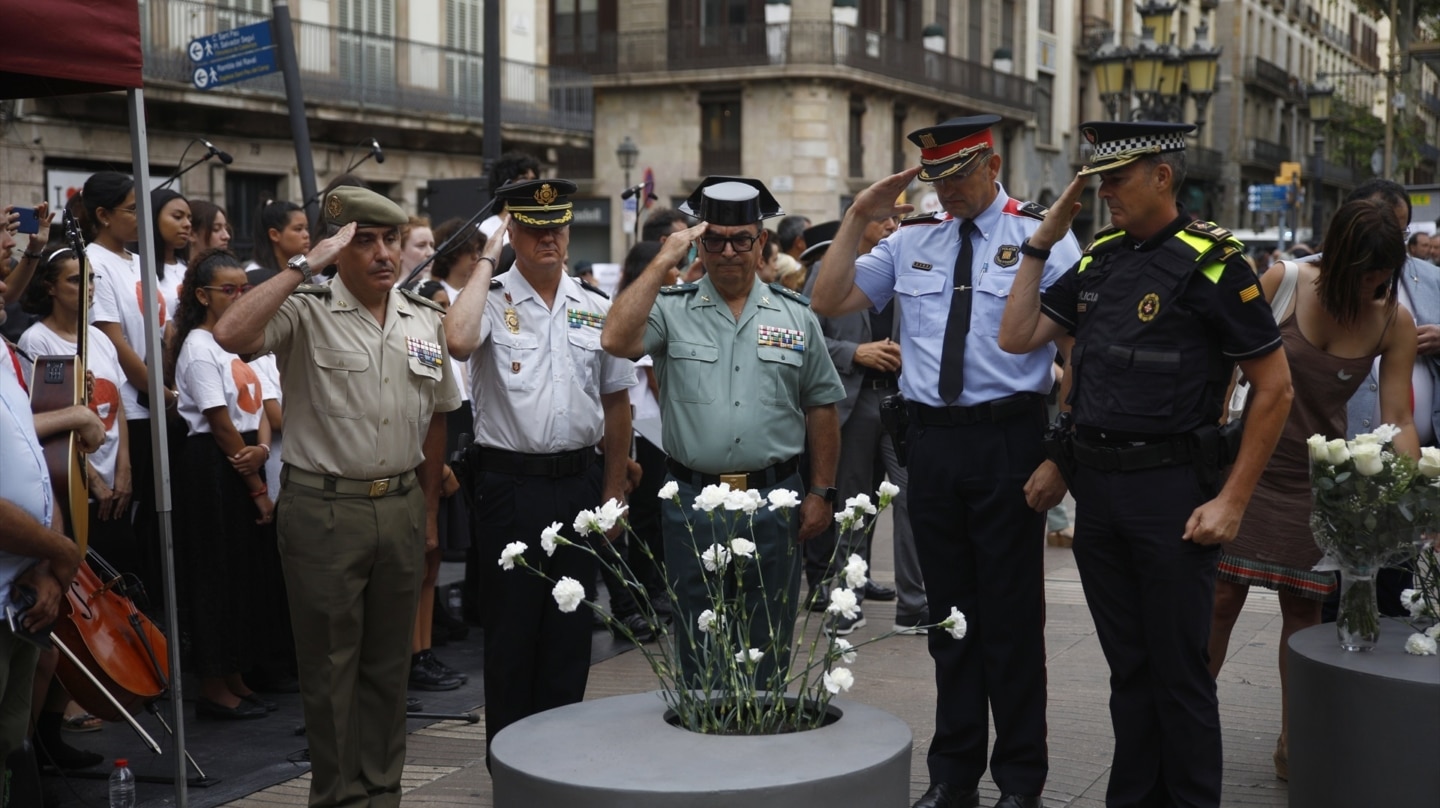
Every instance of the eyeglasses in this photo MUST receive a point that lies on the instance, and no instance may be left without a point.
(742, 242)
(230, 289)
(127, 209)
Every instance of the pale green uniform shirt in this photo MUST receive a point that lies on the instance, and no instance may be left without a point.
(733, 393)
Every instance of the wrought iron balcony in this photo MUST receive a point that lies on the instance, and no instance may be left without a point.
(1269, 76)
(802, 44)
(1268, 153)
(347, 67)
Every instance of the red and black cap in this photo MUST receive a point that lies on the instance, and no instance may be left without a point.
(731, 201)
(1120, 143)
(948, 147)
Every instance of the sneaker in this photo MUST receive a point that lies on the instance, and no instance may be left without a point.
(445, 670)
(910, 624)
(424, 676)
(840, 625)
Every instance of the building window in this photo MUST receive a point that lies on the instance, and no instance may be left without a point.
(235, 13)
(1007, 24)
(857, 136)
(905, 20)
(244, 195)
(720, 132)
(367, 42)
(897, 139)
(464, 35)
(581, 31)
(975, 32)
(1044, 109)
(1046, 16)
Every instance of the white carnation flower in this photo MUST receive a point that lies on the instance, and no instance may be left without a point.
(669, 490)
(856, 571)
(747, 501)
(512, 551)
(1433, 632)
(1368, 461)
(847, 651)
(1420, 645)
(783, 498)
(1319, 448)
(550, 538)
(955, 624)
(711, 497)
(839, 679)
(887, 493)
(708, 620)
(609, 514)
(743, 548)
(715, 558)
(844, 603)
(753, 655)
(1386, 432)
(1413, 601)
(568, 594)
(585, 522)
(860, 503)
(1338, 450)
(1430, 461)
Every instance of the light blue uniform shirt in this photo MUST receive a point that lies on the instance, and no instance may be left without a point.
(917, 262)
(24, 476)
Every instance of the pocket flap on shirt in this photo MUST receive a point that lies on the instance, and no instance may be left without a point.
(692, 350)
(338, 359)
(920, 283)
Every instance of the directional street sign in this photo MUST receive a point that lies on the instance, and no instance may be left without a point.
(234, 42)
(231, 56)
(1269, 198)
(239, 68)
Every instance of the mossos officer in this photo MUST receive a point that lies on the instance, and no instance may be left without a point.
(1161, 308)
(978, 522)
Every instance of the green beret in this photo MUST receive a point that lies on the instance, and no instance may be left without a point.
(348, 204)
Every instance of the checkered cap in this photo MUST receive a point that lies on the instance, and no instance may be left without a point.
(1120, 143)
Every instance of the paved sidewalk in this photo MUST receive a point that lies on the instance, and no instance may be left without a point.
(445, 762)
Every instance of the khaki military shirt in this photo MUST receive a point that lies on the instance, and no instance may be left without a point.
(733, 393)
(358, 396)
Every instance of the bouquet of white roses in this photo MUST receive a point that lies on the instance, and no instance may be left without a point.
(734, 699)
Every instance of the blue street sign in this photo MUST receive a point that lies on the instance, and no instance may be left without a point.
(228, 44)
(239, 68)
(1269, 198)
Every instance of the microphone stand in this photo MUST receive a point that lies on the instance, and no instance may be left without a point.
(480, 215)
(348, 169)
(177, 175)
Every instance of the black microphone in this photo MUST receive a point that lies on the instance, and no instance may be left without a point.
(629, 192)
(224, 156)
(375, 150)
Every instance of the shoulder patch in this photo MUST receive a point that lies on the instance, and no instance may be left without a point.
(923, 218)
(317, 289)
(593, 288)
(1209, 230)
(421, 299)
(679, 289)
(496, 283)
(790, 293)
(1034, 211)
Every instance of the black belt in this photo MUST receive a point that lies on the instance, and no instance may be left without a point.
(739, 480)
(384, 487)
(559, 464)
(879, 383)
(1172, 451)
(989, 412)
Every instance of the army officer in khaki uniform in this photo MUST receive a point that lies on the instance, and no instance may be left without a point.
(367, 381)
(744, 375)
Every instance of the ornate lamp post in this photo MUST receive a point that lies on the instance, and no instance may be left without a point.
(1319, 96)
(1202, 71)
(1159, 75)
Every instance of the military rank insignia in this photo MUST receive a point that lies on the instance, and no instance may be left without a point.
(1249, 293)
(1008, 255)
(579, 319)
(427, 352)
(1148, 308)
(777, 337)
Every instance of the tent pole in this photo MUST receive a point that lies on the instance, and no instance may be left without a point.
(159, 441)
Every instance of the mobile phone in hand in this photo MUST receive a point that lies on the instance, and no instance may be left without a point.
(24, 598)
(29, 220)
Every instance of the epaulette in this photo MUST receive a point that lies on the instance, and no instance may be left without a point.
(1104, 240)
(679, 289)
(1209, 230)
(1034, 211)
(593, 288)
(419, 298)
(496, 283)
(923, 218)
(317, 289)
(790, 293)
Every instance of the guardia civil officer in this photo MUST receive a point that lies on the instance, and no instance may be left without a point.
(979, 482)
(744, 377)
(1161, 308)
(546, 398)
(367, 383)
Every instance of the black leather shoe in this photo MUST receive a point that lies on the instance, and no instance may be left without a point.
(429, 658)
(414, 705)
(425, 677)
(944, 795)
(1019, 801)
(207, 709)
(876, 592)
(638, 626)
(817, 601)
(254, 698)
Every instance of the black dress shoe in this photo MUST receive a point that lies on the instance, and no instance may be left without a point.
(874, 591)
(945, 795)
(817, 601)
(440, 667)
(254, 698)
(207, 709)
(639, 627)
(424, 676)
(414, 705)
(1020, 801)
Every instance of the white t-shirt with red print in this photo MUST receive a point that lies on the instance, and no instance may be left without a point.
(209, 376)
(117, 300)
(104, 364)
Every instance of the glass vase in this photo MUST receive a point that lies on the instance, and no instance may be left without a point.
(1358, 620)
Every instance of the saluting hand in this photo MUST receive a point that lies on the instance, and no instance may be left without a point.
(877, 202)
(675, 247)
(324, 254)
(1062, 213)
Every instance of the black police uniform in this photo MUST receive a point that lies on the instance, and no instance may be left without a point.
(1158, 326)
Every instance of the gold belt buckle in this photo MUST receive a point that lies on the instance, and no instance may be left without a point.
(379, 488)
(735, 481)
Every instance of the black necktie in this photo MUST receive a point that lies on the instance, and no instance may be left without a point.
(952, 357)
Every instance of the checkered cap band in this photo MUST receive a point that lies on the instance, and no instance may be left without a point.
(1133, 146)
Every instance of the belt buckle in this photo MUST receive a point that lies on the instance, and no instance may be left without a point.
(737, 482)
(379, 488)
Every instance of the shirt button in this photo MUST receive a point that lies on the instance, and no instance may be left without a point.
(737, 367)
(737, 403)
(386, 421)
(387, 379)
(1372, 387)
(737, 440)
(1367, 422)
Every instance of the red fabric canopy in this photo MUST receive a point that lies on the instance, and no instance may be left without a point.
(58, 47)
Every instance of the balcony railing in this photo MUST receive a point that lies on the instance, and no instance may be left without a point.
(801, 44)
(1267, 153)
(1431, 102)
(355, 68)
(1269, 75)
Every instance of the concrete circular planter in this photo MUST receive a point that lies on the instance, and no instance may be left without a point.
(619, 752)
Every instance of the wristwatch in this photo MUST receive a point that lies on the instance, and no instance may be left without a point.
(302, 265)
(830, 495)
(1026, 248)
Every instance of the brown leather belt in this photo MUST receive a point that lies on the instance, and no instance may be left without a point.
(351, 488)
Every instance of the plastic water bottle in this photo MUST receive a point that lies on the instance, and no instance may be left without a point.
(455, 602)
(122, 785)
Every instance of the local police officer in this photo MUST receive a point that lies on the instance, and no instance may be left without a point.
(367, 384)
(1161, 308)
(546, 397)
(979, 482)
(744, 376)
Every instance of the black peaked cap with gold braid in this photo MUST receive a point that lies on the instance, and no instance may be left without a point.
(539, 203)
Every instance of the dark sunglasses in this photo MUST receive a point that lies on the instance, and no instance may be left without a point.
(230, 289)
(743, 242)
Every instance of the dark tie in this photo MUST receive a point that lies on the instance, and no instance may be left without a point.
(952, 357)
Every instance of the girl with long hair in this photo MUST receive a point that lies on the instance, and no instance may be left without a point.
(281, 232)
(170, 233)
(210, 227)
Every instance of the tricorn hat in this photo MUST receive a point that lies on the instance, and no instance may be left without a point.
(950, 146)
(817, 240)
(1120, 143)
(731, 201)
(539, 203)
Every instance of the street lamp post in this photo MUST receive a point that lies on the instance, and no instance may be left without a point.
(1159, 76)
(627, 153)
(1319, 97)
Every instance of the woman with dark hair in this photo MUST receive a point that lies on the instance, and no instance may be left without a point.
(1344, 314)
(456, 264)
(209, 227)
(222, 500)
(281, 232)
(170, 229)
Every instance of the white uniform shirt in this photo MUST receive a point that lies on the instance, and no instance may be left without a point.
(269, 372)
(536, 388)
(117, 300)
(24, 477)
(102, 361)
(462, 369)
(208, 376)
